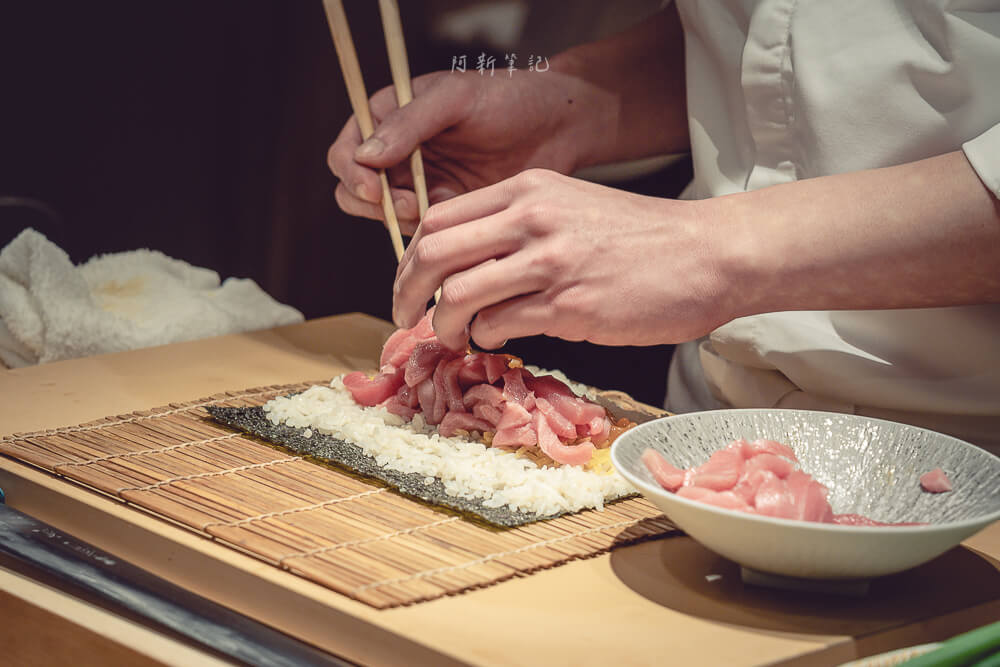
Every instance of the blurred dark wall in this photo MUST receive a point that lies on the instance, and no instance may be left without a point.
(196, 128)
(200, 129)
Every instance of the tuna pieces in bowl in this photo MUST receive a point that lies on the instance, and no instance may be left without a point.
(870, 467)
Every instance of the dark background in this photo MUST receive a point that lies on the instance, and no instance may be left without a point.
(200, 129)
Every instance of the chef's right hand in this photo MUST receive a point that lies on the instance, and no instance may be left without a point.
(474, 130)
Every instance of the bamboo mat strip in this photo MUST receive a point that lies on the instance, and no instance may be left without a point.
(350, 534)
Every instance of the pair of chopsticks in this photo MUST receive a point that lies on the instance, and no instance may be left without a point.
(393, 28)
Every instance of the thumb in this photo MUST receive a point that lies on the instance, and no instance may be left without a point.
(430, 113)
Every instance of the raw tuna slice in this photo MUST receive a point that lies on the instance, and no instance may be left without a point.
(763, 446)
(563, 427)
(669, 477)
(452, 391)
(407, 395)
(935, 481)
(453, 422)
(751, 482)
(809, 498)
(513, 415)
(724, 499)
(515, 391)
(372, 391)
(779, 465)
(576, 409)
(773, 499)
(514, 428)
(487, 412)
(422, 361)
(549, 443)
(398, 348)
(495, 366)
(599, 429)
(545, 386)
(720, 472)
(426, 396)
(760, 477)
(483, 393)
(515, 436)
(473, 371)
(440, 395)
(397, 407)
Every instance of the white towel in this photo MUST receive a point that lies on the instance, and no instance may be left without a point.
(52, 310)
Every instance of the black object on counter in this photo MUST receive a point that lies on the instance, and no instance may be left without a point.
(150, 597)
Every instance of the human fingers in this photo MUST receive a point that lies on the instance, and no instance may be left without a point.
(404, 202)
(456, 210)
(529, 315)
(433, 257)
(427, 115)
(466, 293)
(401, 176)
(362, 181)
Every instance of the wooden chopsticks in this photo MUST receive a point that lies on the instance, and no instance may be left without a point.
(392, 26)
(358, 96)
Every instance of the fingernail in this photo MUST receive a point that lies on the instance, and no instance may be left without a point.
(371, 148)
(400, 206)
(363, 192)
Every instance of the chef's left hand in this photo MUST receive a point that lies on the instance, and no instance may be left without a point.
(543, 253)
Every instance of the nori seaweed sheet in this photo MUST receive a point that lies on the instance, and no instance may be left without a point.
(351, 456)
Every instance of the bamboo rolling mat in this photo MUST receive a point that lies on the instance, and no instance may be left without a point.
(352, 535)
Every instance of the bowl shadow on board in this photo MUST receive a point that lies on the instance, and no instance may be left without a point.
(680, 574)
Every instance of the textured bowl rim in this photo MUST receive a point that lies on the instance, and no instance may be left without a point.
(642, 485)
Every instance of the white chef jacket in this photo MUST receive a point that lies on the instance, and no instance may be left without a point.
(780, 90)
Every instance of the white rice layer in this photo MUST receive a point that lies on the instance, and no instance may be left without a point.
(467, 469)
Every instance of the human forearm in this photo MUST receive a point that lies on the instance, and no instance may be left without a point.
(637, 105)
(922, 234)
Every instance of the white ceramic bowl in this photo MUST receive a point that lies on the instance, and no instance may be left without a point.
(870, 466)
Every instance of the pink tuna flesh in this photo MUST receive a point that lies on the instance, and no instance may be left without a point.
(397, 407)
(760, 477)
(480, 392)
(763, 446)
(487, 412)
(473, 372)
(495, 366)
(453, 422)
(372, 391)
(515, 436)
(935, 481)
(423, 361)
(720, 472)
(563, 427)
(515, 391)
(669, 477)
(452, 391)
(398, 348)
(724, 499)
(549, 443)
(483, 393)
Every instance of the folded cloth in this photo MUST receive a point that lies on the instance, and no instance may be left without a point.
(52, 310)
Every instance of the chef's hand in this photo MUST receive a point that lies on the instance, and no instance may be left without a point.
(474, 130)
(543, 253)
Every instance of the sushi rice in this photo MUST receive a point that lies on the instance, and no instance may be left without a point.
(467, 468)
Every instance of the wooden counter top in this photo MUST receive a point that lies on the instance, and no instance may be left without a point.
(645, 604)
